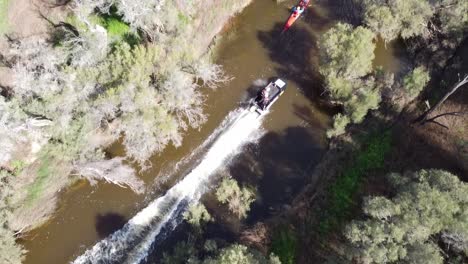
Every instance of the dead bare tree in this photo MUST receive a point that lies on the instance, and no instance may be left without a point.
(112, 171)
(425, 117)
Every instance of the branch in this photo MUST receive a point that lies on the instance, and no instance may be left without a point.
(424, 117)
(437, 123)
(446, 114)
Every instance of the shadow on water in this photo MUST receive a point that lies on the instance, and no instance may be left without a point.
(278, 167)
(295, 53)
(315, 17)
(108, 223)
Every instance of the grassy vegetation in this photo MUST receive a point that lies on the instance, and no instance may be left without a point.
(284, 245)
(4, 16)
(343, 191)
(117, 29)
(38, 185)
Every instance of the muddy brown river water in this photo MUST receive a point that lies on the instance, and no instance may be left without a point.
(252, 51)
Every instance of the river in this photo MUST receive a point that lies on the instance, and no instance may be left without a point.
(252, 51)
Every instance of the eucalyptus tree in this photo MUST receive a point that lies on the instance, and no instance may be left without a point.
(429, 207)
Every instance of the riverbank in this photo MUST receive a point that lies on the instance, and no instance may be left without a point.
(357, 163)
(40, 179)
(88, 214)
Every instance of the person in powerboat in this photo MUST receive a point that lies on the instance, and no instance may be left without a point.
(265, 97)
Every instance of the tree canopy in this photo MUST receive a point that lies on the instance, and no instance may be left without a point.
(346, 57)
(429, 206)
(413, 18)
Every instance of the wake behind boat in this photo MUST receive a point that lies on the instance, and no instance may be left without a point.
(296, 13)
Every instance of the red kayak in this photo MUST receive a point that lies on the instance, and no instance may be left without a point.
(296, 13)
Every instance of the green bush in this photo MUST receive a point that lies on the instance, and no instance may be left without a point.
(238, 199)
(117, 29)
(339, 125)
(415, 81)
(196, 215)
(284, 245)
(405, 18)
(341, 193)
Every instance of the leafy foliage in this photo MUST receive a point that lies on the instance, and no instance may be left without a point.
(411, 18)
(346, 57)
(427, 203)
(238, 199)
(187, 252)
(380, 19)
(339, 125)
(342, 192)
(405, 18)
(197, 214)
(453, 15)
(10, 251)
(415, 81)
(239, 254)
(284, 244)
(346, 53)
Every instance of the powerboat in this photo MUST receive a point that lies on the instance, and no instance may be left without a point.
(268, 96)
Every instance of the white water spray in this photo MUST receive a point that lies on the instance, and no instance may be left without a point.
(132, 243)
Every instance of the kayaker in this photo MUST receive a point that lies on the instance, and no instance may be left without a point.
(298, 9)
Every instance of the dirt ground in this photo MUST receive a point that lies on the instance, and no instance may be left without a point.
(26, 18)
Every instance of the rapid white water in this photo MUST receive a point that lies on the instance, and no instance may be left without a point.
(132, 243)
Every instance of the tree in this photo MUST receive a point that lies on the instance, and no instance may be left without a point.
(453, 15)
(415, 81)
(346, 56)
(414, 16)
(405, 18)
(427, 205)
(380, 19)
(238, 199)
(345, 53)
(239, 254)
(196, 215)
